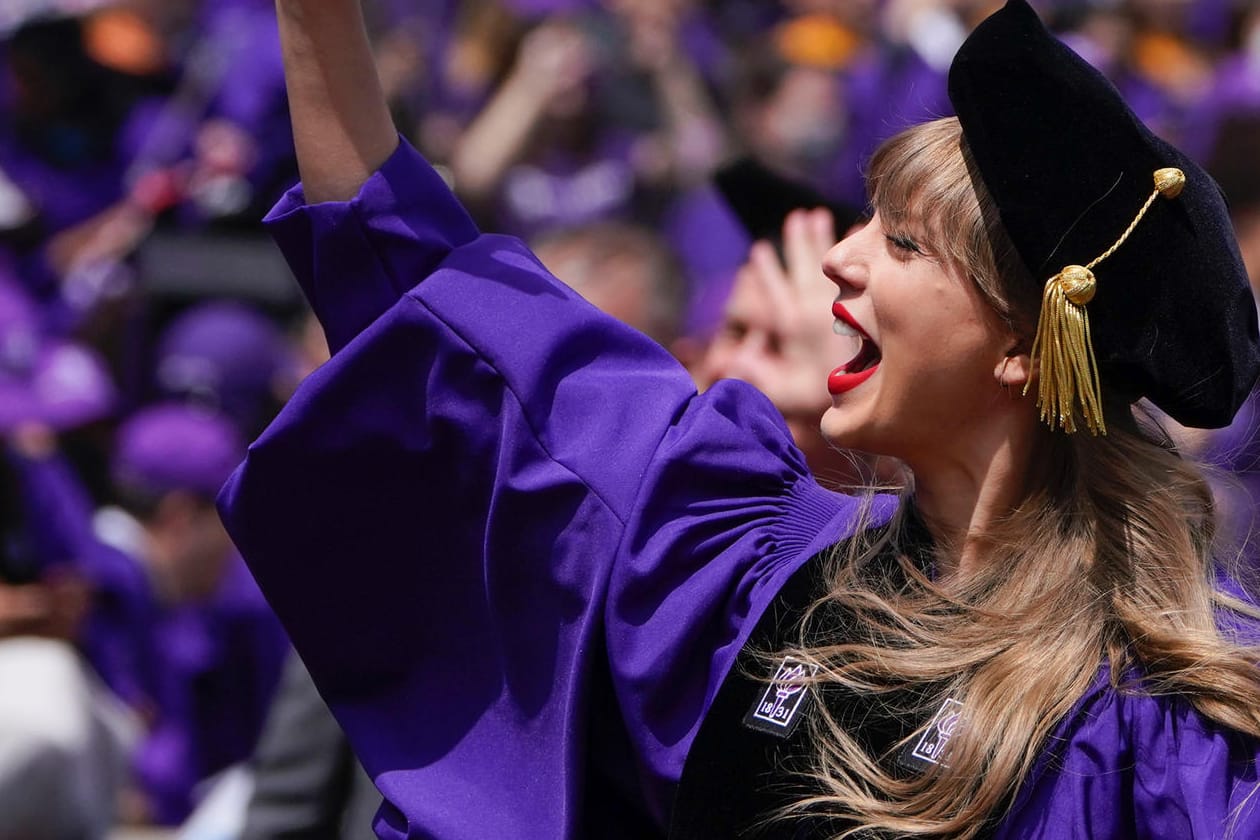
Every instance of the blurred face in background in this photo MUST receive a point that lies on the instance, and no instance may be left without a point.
(618, 288)
(751, 346)
(626, 271)
(748, 344)
(801, 124)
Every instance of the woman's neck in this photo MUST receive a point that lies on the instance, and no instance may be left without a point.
(960, 501)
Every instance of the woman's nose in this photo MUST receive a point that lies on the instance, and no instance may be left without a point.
(842, 265)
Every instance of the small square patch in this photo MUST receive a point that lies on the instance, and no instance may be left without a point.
(932, 744)
(780, 707)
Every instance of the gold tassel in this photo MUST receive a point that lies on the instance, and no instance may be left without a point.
(1068, 372)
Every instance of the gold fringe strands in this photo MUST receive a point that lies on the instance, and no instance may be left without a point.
(1069, 372)
(1068, 369)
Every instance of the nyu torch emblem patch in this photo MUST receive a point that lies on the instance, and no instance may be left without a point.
(932, 744)
(778, 709)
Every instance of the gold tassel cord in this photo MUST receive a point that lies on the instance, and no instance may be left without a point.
(1068, 372)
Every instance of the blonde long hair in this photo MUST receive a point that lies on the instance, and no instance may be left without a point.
(1107, 560)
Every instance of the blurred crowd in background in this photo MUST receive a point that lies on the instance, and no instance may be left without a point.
(148, 329)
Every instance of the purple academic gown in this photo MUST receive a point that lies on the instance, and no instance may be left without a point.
(501, 528)
(219, 662)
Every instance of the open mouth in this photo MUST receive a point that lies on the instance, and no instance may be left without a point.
(863, 363)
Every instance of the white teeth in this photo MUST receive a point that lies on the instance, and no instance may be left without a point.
(841, 328)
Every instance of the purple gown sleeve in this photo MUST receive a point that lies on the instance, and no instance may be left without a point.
(1127, 764)
(497, 515)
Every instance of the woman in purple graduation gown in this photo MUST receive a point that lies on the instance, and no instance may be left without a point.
(550, 591)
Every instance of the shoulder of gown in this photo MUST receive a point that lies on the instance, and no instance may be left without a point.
(1127, 763)
(496, 515)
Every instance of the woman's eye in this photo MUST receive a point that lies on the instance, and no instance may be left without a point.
(903, 243)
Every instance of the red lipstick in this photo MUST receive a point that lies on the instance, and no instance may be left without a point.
(840, 381)
(862, 366)
(841, 314)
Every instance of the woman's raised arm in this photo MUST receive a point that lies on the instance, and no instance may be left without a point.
(342, 129)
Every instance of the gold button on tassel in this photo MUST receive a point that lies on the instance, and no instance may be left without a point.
(1068, 372)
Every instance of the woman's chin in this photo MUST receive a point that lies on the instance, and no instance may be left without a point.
(839, 429)
(843, 428)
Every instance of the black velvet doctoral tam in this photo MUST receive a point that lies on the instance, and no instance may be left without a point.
(1069, 166)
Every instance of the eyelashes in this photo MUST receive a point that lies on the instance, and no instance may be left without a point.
(903, 243)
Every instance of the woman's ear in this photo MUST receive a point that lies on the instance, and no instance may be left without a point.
(1015, 370)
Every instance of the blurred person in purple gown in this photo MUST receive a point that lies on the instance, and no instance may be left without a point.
(74, 650)
(127, 117)
(1234, 91)
(593, 120)
(74, 127)
(218, 647)
(218, 145)
(74, 613)
(1143, 49)
(585, 601)
(226, 356)
(791, 115)
(833, 80)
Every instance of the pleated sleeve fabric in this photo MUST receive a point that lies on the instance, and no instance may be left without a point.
(515, 549)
